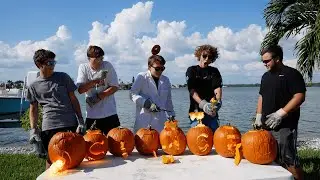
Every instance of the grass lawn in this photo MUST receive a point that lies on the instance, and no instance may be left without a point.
(28, 167)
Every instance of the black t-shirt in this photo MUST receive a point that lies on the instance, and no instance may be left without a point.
(204, 81)
(277, 89)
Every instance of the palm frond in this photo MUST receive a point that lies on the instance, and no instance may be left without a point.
(274, 10)
(308, 50)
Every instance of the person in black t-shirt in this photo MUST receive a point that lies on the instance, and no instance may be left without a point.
(205, 82)
(282, 91)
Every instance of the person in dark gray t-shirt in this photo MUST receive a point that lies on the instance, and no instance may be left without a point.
(54, 91)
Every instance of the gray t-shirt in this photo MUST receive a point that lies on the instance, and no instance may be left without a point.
(52, 94)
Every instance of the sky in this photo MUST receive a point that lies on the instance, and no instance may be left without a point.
(127, 30)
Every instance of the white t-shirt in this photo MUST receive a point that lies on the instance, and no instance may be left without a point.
(107, 106)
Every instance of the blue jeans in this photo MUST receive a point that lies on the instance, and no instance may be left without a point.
(211, 122)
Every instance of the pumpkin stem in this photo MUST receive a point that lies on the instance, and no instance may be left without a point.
(154, 154)
(149, 127)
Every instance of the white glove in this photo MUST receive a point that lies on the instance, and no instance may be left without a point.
(80, 128)
(275, 119)
(91, 101)
(257, 123)
(148, 104)
(207, 108)
(102, 74)
(34, 136)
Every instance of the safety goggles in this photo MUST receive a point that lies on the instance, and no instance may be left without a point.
(159, 68)
(50, 63)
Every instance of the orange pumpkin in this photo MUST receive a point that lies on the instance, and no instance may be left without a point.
(259, 146)
(199, 138)
(120, 141)
(172, 139)
(147, 141)
(68, 148)
(225, 140)
(97, 144)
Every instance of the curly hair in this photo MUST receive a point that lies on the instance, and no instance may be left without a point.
(42, 55)
(213, 51)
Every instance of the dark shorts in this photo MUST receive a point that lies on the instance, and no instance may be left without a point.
(104, 124)
(47, 135)
(287, 147)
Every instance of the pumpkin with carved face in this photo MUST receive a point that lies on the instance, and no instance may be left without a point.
(259, 146)
(67, 148)
(120, 141)
(97, 145)
(147, 141)
(225, 140)
(172, 139)
(200, 137)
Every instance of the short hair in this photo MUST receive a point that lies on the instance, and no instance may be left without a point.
(275, 51)
(154, 58)
(94, 52)
(42, 55)
(213, 51)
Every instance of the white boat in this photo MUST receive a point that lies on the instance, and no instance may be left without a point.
(13, 101)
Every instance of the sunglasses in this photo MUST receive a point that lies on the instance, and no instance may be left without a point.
(50, 63)
(159, 68)
(204, 56)
(266, 61)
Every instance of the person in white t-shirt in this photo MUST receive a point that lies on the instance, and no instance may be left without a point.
(98, 80)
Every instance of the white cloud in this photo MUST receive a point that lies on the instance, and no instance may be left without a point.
(128, 39)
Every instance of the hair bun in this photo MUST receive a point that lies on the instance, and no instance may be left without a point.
(155, 49)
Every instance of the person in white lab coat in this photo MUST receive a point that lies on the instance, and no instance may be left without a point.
(151, 92)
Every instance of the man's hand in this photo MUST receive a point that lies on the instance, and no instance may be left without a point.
(207, 108)
(148, 104)
(257, 123)
(91, 101)
(102, 74)
(275, 119)
(218, 105)
(80, 128)
(34, 136)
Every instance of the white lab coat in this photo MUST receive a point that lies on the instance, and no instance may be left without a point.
(144, 88)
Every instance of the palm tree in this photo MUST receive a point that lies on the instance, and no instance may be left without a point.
(287, 18)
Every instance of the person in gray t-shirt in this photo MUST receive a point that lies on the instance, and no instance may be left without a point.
(54, 91)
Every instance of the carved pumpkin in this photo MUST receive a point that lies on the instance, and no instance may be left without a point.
(172, 139)
(120, 141)
(67, 148)
(147, 141)
(199, 138)
(259, 146)
(97, 144)
(225, 140)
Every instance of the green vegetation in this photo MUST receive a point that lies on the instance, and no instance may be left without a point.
(25, 121)
(19, 166)
(291, 18)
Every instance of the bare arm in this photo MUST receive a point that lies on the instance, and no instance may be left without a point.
(195, 96)
(295, 102)
(86, 86)
(218, 93)
(33, 115)
(111, 90)
(76, 106)
(259, 105)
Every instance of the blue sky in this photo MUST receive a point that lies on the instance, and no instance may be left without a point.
(228, 24)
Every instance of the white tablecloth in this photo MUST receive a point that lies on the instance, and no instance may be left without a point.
(186, 167)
